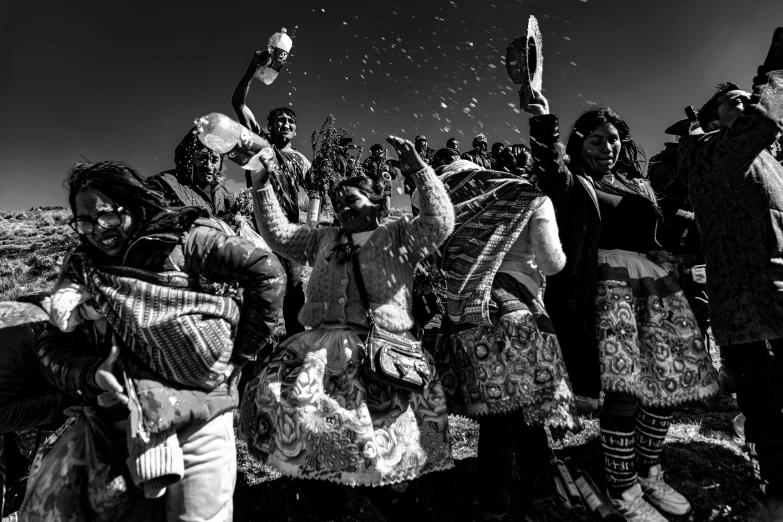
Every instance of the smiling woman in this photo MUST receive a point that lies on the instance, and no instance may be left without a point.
(124, 308)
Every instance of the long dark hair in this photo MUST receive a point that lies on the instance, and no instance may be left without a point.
(120, 182)
(632, 160)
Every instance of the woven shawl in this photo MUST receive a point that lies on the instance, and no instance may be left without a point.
(181, 332)
(491, 210)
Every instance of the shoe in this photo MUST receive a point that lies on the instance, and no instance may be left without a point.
(555, 510)
(634, 508)
(661, 495)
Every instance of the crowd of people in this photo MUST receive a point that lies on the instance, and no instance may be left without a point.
(561, 274)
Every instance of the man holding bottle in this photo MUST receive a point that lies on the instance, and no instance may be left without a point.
(736, 188)
(294, 172)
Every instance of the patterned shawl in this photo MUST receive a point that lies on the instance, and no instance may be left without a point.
(491, 209)
(179, 330)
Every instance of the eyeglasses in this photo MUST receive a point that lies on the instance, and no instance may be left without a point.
(107, 220)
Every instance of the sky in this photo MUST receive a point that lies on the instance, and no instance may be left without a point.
(124, 80)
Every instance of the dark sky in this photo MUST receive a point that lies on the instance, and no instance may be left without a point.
(125, 80)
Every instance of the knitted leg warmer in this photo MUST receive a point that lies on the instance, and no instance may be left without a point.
(617, 438)
(652, 424)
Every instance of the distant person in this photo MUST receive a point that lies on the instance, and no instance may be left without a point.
(494, 155)
(517, 160)
(196, 180)
(736, 188)
(453, 144)
(478, 154)
(620, 286)
(295, 172)
(426, 153)
(377, 168)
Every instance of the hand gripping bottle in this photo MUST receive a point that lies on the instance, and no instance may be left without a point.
(225, 136)
(279, 46)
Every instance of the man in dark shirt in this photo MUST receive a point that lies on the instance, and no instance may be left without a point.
(295, 172)
(377, 168)
(479, 154)
(196, 180)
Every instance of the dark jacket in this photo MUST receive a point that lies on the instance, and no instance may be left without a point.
(570, 294)
(183, 241)
(736, 187)
(26, 399)
(375, 167)
(677, 232)
(482, 159)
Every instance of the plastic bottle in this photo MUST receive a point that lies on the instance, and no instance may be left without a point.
(314, 210)
(279, 46)
(225, 136)
(597, 503)
(695, 126)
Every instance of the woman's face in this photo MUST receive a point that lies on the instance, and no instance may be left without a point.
(206, 165)
(601, 148)
(91, 204)
(355, 211)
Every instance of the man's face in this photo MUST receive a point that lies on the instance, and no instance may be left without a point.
(731, 106)
(421, 145)
(481, 146)
(284, 127)
(376, 153)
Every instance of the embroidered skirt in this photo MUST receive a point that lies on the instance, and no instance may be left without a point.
(514, 364)
(314, 413)
(649, 343)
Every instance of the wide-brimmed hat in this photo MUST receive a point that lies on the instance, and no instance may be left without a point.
(680, 128)
(525, 61)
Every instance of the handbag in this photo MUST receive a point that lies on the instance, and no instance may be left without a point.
(393, 359)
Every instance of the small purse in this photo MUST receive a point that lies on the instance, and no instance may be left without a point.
(392, 358)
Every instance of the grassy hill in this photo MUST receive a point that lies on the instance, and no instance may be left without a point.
(703, 458)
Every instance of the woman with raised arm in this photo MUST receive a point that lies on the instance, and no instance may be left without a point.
(316, 412)
(619, 288)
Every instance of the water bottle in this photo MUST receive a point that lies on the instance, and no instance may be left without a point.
(694, 127)
(225, 136)
(279, 46)
(599, 505)
(314, 210)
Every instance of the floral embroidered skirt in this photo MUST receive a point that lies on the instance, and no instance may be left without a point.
(649, 343)
(315, 413)
(514, 364)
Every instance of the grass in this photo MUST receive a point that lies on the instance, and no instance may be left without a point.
(702, 457)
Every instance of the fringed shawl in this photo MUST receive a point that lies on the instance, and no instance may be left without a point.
(491, 209)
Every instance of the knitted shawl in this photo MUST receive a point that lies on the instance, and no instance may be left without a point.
(491, 210)
(168, 321)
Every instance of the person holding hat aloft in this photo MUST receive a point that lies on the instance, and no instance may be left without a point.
(647, 353)
(479, 154)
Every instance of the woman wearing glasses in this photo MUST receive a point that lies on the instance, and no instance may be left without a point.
(155, 289)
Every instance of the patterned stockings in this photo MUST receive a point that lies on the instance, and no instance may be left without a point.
(632, 437)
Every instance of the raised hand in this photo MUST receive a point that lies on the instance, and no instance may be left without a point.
(538, 105)
(410, 161)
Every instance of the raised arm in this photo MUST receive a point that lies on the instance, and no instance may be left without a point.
(427, 231)
(296, 242)
(546, 240)
(243, 112)
(755, 129)
(219, 257)
(554, 178)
